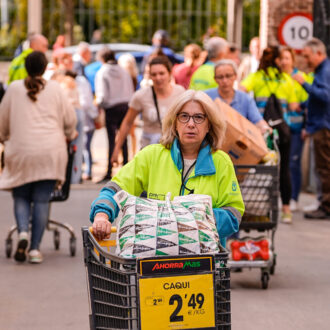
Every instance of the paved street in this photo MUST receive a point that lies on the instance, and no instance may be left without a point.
(53, 295)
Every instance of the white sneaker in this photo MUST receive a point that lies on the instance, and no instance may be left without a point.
(293, 205)
(286, 218)
(23, 235)
(312, 207)
(35, 257)
(23, 241)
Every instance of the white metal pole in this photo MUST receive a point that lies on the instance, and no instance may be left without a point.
(238, 23)
(263, 31)
(231, 4)
(34, 16)
(4, 12)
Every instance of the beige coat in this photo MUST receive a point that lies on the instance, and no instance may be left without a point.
(35, 134)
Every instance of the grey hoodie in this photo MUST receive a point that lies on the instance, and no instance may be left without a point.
(113, 85)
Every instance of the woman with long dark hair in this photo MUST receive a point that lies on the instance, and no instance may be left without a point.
(268, 80)
(296, 121)
(36, 121)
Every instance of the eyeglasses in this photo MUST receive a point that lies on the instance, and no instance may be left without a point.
(184, 118)
(226, 76)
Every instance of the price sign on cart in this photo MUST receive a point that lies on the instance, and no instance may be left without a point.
(295, 29)
(177, 302)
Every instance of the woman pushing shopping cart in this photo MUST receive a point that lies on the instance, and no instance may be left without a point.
(187, 161)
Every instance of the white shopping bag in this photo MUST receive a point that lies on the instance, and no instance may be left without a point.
(147, 227)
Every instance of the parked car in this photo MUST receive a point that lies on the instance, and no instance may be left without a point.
(137, 50)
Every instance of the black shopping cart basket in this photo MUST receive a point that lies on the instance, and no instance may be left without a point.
(259, 186)
(176, 292)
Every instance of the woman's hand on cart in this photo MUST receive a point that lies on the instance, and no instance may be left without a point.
(101, 226)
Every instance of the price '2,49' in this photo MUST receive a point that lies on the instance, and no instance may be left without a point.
(193, 302)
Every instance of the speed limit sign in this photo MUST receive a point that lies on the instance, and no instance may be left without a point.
(295, 29)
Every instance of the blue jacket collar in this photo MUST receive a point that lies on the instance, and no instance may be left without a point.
(295, 70)
(204, 163)
(210, 63)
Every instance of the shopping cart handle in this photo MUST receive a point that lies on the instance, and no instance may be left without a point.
(105, 243)
(113, 229)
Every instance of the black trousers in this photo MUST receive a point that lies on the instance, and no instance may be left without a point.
(113, 119)
(285, 179)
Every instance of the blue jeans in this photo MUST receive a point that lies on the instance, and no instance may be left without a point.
(87, 153)
(31, 201)
(79, 142)
(295, 163)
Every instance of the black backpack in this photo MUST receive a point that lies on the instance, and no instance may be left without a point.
(273, 115)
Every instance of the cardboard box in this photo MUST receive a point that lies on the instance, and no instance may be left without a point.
(243, 141)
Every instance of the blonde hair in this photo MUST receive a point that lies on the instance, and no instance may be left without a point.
(128, 62)
(217, 123)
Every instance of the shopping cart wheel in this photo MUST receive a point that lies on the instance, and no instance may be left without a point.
(272, 268)
(56, 239)
(72, 246)
(264, 280)
(9, 247)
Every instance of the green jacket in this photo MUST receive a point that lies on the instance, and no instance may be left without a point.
(203, 77)
(17, 69)
(157, 171)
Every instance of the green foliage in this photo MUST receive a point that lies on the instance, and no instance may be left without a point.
(52, 19)
(132, 21)
(136, 20)
(251, 19)
(78, 33)
(8, 40)
(15, 32)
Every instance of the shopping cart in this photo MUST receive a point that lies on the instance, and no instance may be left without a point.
(259, 186)
(60, 194)
(177, 292)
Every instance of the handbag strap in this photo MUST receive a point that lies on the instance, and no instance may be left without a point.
(156, 104)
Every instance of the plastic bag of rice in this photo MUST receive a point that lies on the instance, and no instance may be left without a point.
(148, 227)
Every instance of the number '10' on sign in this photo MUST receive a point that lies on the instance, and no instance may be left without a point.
(302, 32)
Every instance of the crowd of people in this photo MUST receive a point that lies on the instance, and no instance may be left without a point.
(68, 97)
